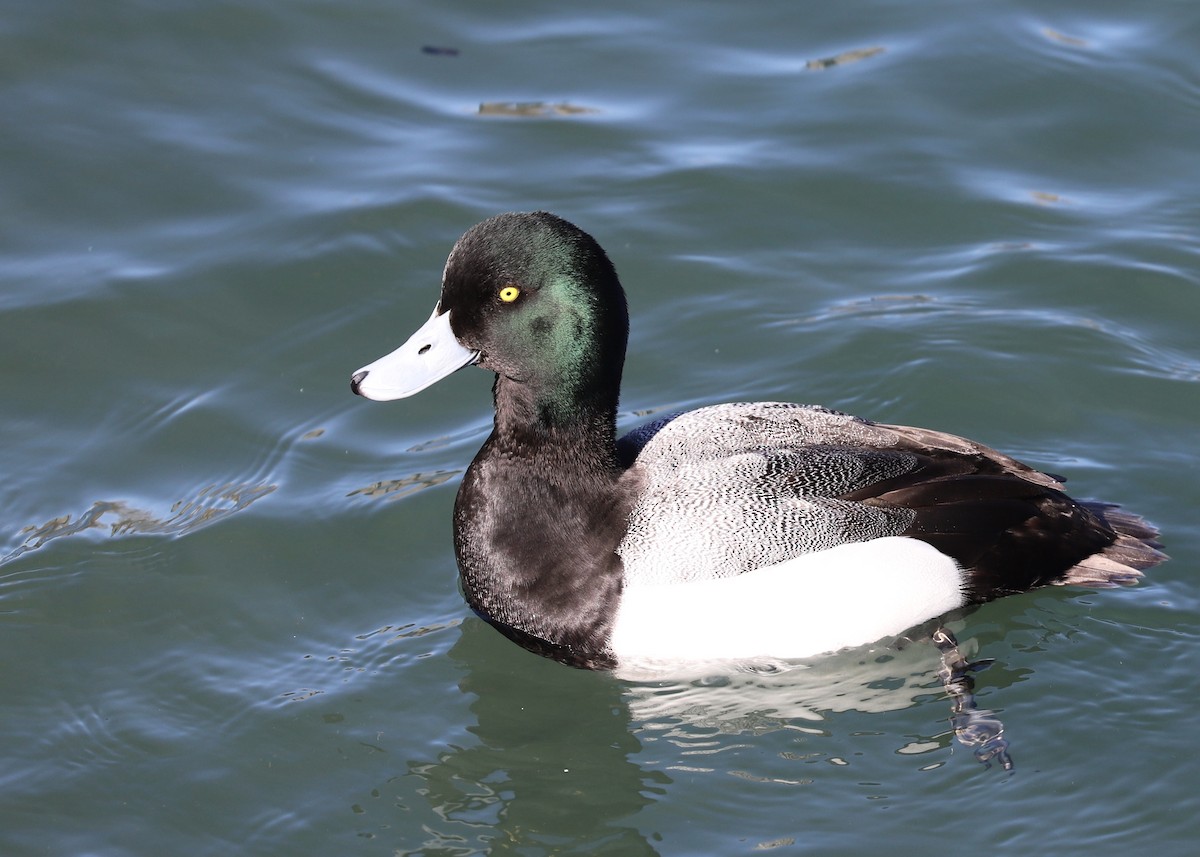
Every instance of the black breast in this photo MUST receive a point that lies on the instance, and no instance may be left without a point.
(536, 548)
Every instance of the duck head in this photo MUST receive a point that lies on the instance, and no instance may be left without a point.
(532, 298)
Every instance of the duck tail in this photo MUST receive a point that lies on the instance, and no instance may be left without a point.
(1135, 548)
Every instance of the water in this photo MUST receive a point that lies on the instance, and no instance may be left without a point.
(227, 596)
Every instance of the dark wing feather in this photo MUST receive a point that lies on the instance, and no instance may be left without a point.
(1011, 526)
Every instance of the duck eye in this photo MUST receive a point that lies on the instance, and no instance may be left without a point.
(508, 294)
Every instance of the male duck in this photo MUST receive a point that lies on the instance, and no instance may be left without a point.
(729, 532)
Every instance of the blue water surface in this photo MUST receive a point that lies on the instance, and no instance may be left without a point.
(228, 604)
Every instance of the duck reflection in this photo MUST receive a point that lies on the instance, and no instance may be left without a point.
(800, 695)
(536, 779)
(544, 781)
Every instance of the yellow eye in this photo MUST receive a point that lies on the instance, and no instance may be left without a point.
(508, 294)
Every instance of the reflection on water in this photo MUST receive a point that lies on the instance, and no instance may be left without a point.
(536, 778)
(800, 696)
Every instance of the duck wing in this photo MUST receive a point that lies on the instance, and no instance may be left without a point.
(731, 488)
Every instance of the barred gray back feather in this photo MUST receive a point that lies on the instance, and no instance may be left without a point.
(731, 488)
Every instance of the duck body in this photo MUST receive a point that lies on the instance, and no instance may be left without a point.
(731, 532)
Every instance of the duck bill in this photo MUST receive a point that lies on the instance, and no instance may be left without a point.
(430, 355)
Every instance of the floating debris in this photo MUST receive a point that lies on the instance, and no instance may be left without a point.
(439, 51)
(397, 488)
(1045, 197)
(532, 108)
(1063, 38)
(844, 58)
(212, 503)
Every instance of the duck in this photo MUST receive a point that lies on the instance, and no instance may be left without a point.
(732, 532)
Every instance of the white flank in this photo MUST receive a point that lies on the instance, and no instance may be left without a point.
(817, 602)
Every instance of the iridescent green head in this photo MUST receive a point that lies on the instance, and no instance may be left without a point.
(532, 298)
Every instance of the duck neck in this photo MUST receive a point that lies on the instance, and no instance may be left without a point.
(572, 429)
(538, 518)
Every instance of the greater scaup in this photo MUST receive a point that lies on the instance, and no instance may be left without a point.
(729, 532)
